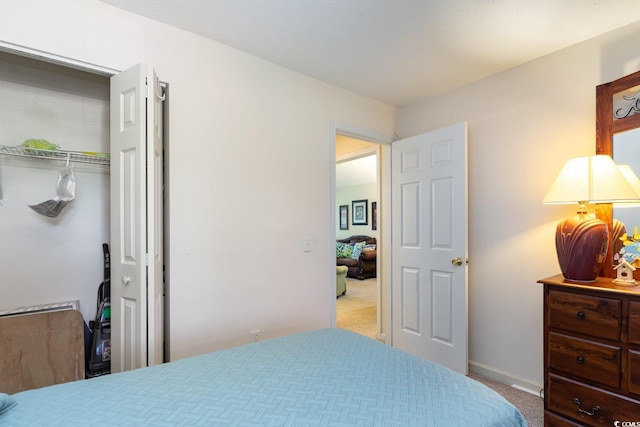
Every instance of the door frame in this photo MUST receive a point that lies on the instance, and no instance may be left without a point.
(383, 259)
(44, 56)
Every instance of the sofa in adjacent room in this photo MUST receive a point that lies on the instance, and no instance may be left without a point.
(359, 254)
(341, 280)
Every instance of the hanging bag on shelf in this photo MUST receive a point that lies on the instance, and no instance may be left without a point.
(66, 190)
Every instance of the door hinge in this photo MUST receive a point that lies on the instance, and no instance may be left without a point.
(146, 259)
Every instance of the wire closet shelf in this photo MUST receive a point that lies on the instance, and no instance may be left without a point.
(68, 156)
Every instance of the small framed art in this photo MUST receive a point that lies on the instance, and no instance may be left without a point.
(374, 215)
(359, 212)
(344, 217)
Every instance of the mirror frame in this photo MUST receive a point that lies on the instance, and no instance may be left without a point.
(606, 128)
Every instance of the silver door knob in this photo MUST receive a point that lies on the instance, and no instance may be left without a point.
(457, 261)
(126, 279)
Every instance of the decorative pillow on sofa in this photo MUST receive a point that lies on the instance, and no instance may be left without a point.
(343, 250)
(357, 249)
(347, 250)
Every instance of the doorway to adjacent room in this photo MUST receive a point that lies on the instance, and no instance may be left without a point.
(357, 187)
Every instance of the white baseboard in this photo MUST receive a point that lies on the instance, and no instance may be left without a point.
(506, 378)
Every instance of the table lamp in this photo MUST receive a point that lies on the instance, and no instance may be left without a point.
(582, 240)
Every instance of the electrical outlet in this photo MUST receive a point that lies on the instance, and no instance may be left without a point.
(254, 336)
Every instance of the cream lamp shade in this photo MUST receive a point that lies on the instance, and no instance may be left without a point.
(591, 179)
(582, 241)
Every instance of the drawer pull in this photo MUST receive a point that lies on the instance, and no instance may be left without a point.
(580, 315)
(583, 411)
(580, 360)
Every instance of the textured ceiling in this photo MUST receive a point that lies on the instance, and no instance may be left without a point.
(396, 51)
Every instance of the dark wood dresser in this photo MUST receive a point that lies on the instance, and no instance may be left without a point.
(591, 353)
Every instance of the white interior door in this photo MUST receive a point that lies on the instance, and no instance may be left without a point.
(136, 220)
(429, 235)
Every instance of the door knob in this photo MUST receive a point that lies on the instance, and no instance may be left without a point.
(457, 261)
(126, 279)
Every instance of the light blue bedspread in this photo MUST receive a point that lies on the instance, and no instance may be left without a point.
(329, 377)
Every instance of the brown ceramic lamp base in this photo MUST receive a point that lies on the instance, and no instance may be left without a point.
(581, 245)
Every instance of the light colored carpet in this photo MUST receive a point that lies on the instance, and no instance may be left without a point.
(530, 405)
(357, 312)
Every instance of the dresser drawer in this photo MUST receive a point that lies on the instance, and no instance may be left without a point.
(634, 322)
(553, 420)
(589, 405)
(585, 359)
(585, 314)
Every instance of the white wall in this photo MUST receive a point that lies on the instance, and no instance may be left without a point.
(344, 196)
(250, 160)
(49, 260)
(523, 125)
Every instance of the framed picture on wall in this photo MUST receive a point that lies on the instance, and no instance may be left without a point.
(374, 215)
(344, 217)
(359, 212)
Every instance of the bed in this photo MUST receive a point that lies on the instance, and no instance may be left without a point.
(327, 377)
